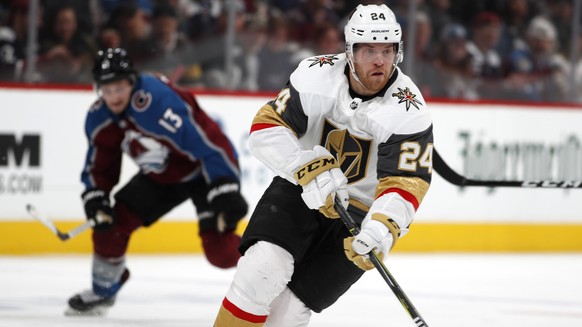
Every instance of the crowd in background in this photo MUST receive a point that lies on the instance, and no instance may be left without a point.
(478, 49)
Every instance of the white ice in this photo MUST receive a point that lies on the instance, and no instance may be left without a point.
(449, 290)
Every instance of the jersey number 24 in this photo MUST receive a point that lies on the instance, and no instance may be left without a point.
(413, 156)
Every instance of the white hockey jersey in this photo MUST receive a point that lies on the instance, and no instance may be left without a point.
(383, 143)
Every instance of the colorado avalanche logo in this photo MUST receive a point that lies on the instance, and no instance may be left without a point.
(407, 97)
(149, 154)
(322, 60)
(141, 100)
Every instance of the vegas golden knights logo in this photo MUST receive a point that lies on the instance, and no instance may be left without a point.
(351, 152)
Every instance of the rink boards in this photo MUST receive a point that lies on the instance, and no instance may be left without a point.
(42, 148)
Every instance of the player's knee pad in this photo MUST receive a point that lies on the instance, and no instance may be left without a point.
(112, 242)
(288, 311)
(221, 249)
(262, 274)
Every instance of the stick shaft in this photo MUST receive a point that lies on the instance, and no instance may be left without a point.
(386, 275)
(79, 229)
(451, 176)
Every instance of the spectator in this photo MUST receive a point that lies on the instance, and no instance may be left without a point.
(423, 70)
(109, 37)
(539, 72)
(486, 60)
(328, 39)
(184, 10)
(169, 44)
(516, 15)
(465, 11)
(14, 38)
(577, 95)
(309, 16)
(87, 13)
(203, 20)
(277, 59)
(66, 54)
(166, 35)
(438, 12)
(132, 23)
(253, 39)
(453, 65)
(215, 72)
(560, 14)
(11, 56)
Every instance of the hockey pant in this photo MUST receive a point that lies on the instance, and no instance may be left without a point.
(147, 201)
(258, 295)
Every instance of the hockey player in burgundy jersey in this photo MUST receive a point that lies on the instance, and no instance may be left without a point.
(351, 125)
(181, 154)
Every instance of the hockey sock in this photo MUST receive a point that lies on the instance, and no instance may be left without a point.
(107, 275)
(230, 315)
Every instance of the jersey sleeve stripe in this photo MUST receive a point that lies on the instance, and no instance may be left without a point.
(260, 126)
(413, 189)
(246, 316)
(268, 117)
(406, 195)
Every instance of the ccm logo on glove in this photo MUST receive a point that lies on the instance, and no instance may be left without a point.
(309, 171)
(363, 243)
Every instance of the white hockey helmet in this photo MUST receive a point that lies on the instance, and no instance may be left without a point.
(372, 24)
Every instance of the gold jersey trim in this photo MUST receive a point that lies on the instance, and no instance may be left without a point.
(413, 185)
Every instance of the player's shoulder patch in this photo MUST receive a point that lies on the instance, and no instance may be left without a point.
(149, 88)
(141, 100)
(408, 97)
(320, 61)
(404, 94)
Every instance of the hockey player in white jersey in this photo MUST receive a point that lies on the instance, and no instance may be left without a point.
(350, 124)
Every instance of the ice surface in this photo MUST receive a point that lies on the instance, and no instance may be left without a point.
(449, 290)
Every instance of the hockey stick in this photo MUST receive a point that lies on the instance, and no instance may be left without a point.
(50, 225)
(451, 176)
(355, 230)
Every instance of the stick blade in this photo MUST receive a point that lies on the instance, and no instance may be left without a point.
(41, 218)
(63, 236)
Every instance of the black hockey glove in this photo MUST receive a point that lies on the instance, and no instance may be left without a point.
(98, 208)
(226, 200)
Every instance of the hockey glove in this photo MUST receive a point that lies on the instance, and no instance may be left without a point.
(226, 200)
(378, 233)
(98, 208)
(321, 178)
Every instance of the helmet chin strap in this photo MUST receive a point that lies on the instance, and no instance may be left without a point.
(355, 76)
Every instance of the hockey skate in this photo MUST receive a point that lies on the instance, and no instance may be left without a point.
(87, 303)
